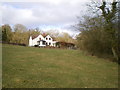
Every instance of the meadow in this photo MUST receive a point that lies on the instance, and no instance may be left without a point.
(30, 67)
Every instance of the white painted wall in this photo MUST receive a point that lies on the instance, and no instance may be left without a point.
(35, 41)
(30, 41)
(49, 41)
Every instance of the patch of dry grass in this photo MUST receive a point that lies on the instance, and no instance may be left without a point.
(27, 67)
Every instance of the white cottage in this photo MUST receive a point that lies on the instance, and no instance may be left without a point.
(42, 41)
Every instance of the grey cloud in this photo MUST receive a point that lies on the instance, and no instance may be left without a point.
(42, 13)
(48, 13)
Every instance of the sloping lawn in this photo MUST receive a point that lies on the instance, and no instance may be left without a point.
(30, 67)
(0, 65)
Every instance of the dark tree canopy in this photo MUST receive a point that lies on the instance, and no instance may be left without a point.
(99, 34)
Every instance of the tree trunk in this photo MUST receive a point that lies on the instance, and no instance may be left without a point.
(115, 54)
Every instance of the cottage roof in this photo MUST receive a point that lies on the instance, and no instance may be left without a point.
(44, 35)
(34, 36)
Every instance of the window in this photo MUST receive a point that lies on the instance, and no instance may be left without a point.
(40, 38)
(49, 43)
(46, 38)
(43, 42)
(49, 38)
(46, 43)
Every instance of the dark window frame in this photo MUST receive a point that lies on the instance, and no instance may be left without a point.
(43, 42)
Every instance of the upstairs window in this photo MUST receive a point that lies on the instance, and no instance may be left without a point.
(46, 38)
(49, 38)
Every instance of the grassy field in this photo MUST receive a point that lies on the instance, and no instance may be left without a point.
(0, 66)
(29, 67)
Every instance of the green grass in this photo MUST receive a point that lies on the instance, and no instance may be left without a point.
(29, 67)
(0, 65)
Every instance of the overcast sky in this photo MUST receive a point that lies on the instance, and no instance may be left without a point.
(45, 14)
